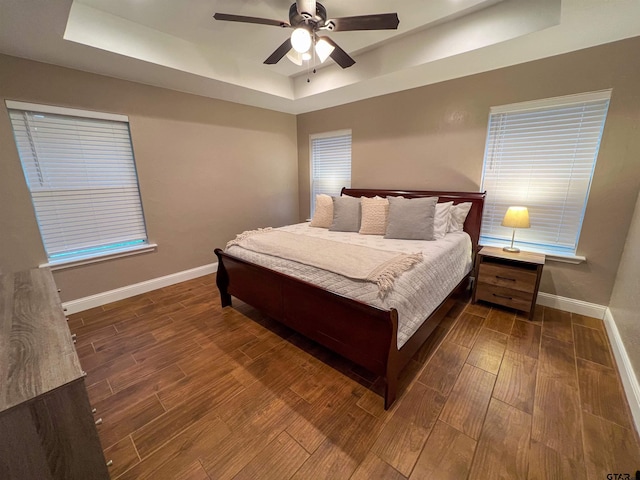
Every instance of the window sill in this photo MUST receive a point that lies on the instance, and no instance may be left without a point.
(78, 261)
(573, 259)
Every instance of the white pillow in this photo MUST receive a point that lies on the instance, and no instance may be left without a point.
(441, 220)
(323, 216)
(459, 214)
(374, 215)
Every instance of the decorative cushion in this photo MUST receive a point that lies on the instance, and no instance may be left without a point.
(411, 218)
(346, 214)
(459, 214)
(441, 220)
(323, 215)
(374, 215)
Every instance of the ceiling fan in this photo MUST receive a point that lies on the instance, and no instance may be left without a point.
(309, 20)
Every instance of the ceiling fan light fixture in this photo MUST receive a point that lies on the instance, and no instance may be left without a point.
(324, 49)
(301, 40)
(308, 18)
(295, 57)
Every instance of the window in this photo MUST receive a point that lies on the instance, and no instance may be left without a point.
(330, 163)
(541, 155)
(80, 170)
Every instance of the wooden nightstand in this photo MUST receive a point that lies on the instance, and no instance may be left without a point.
(509, 279)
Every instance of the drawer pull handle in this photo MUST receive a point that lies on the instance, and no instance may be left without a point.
(502, 296)
(505, 278)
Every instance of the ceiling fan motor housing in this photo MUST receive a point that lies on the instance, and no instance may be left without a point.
(307, 12)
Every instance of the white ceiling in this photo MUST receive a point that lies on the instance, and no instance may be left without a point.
(177, 44)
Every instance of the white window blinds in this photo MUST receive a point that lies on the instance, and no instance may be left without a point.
(330, 163)
(82, 178)
(541, 155)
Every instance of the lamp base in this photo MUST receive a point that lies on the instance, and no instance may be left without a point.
(511, 249)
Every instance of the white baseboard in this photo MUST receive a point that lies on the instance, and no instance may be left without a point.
(81, 304)
(627, 374)
(571, 305)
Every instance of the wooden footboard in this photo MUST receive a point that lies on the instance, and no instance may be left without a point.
(362, 333)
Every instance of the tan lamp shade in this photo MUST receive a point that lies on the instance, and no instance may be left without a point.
(516, 217)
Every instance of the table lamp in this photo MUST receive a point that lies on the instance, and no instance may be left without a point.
(516, 217)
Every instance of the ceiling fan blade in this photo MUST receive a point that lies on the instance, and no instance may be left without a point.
(240, 18)
(381, 21)
(338, 55)
(280, 52)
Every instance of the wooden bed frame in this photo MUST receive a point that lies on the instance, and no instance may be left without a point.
(364, 334)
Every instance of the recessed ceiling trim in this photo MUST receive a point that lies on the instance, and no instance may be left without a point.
(89, 26)
(164, 56)
(501, 22)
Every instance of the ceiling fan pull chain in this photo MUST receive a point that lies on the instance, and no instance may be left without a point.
(315, 54)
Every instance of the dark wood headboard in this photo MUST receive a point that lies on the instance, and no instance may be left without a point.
(472, 223)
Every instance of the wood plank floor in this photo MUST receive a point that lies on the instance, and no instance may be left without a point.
(187, 390)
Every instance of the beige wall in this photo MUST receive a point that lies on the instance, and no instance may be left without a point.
(433, 137)
(188, 147)
(625, 299)
(207, 169)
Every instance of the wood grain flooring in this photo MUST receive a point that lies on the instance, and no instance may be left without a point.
(187, 390)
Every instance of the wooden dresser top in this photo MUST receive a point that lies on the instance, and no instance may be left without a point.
(37, 353)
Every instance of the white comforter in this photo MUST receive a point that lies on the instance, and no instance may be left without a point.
(416, 293)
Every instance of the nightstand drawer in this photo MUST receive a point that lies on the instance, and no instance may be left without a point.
(508, 297)
(509, 277)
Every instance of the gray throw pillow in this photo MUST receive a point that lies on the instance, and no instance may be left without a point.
(346, 214)
(411, 218)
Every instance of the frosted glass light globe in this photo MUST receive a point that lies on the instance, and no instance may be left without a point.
(301, 40)
(324, 49)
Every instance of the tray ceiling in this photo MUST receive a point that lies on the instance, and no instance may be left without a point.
(178, 44)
